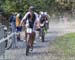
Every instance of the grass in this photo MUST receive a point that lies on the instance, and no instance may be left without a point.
(64, 45)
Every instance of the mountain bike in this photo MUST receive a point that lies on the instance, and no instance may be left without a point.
(42, 32)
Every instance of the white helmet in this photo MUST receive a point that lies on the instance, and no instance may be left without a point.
(45, 13)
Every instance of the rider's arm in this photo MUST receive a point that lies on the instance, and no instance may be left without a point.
(24, 18)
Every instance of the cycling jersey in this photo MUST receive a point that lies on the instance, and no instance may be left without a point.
(32, 18)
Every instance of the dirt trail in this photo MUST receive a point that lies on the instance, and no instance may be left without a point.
(40, 48)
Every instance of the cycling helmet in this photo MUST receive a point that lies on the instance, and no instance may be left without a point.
(31, 8)
(45, 13)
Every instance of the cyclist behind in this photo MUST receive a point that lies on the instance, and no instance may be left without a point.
(42, 21)
(42, 18)
(31, 18)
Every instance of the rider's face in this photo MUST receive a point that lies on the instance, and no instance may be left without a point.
(31, 11)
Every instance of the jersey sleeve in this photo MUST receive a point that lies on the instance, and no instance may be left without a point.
(24, 18)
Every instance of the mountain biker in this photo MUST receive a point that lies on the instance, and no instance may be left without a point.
(42, 18)
(31, 18)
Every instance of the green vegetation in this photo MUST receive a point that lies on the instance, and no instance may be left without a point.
(54, 8)
(51, 6)
(16, 5)
(65, 45)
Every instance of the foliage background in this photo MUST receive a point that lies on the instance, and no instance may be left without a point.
(53, 7)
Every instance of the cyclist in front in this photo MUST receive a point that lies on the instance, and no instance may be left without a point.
(31, 20)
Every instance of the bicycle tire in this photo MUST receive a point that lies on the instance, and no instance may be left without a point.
(27, 50)
(42, 34)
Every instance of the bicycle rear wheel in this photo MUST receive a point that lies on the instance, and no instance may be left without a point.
(42, 34)
(27, 47)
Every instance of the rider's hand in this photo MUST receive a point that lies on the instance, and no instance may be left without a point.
(22, 24)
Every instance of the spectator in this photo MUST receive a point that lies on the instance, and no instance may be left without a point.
(18, 27)
(13, 28)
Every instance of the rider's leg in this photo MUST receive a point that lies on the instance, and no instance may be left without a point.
(25, 36)
(31, 39)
